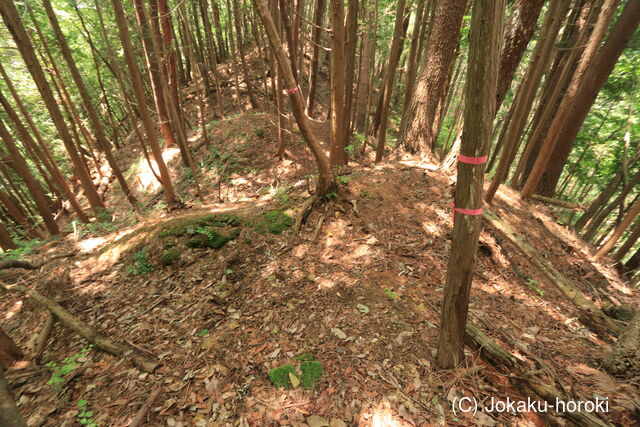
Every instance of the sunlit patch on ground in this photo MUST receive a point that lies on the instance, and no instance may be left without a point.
(145, 178)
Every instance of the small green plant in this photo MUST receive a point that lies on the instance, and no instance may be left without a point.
(141, 263)
(350, 149)
(170, 256)
(534, 286)
(281, 195)
(343, 179)
(259, 132)
(331, 195)
(390, 294)
(85, 417)
(68, 365)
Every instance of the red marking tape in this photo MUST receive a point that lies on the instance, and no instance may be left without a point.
(295, 89)
(472, 160)
(464, 211)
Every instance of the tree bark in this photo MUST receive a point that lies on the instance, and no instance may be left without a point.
(399, 30)
(338, 155)
(518, 32)
(624, 360)
(316, 39)
(628, 244)
(480, 98)
(597, 76)
(9, 414)
(424, 113)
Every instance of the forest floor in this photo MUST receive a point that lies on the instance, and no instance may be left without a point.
(359, 288)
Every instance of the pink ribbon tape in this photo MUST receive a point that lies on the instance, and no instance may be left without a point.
(472, 160)
(465, 211)
(295, 89)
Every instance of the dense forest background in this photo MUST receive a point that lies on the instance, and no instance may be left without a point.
(120, 116)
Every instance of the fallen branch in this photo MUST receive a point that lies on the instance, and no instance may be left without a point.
(9, 414)
(43, 336)
(558, 202)
(16, 263)
(87, 332)
(144, 409)
(497, 355)
(601, 323)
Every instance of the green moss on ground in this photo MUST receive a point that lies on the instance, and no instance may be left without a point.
(190, 226)
(311, 373)
(170, 256)
(280, 376)
(274, 222)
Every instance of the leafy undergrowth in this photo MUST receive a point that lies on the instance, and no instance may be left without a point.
(257, 326)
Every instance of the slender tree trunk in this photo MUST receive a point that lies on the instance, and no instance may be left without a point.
(366, 45)
(338, 136)
(326, 181)
(412, 60)
(526, 93)
(288, 31)
(628, 218)
(583, 77)
(628, 244)
(22, 169)
(518, 32)
(121, 21)
(399, 29)
(316, 40)
(596, 76)
(482, 76)
(422, 119)
(243, 61)
(98, 129)
(20, 37)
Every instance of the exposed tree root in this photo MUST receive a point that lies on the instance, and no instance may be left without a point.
(87, 332)
(625, 357)
(9, 414)
(593, 316)
(9, 351)
(304, 212)
(500, 357)
(16, 263)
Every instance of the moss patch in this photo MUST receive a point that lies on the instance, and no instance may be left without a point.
(311, 373)
(170, 256)
(274, 222)
(280, 376)
(190, 226)
(207, 231)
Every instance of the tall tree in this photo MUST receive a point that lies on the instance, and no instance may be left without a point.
(591, 74)
(125, 38)
(480, 103)
(18, 32)
(422, 118)
(399, 29)
(100, 134)
(338, 85)
(326, 177)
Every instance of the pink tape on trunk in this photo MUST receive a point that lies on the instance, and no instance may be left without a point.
(295, 89)
(464, 211)
(472, 160)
